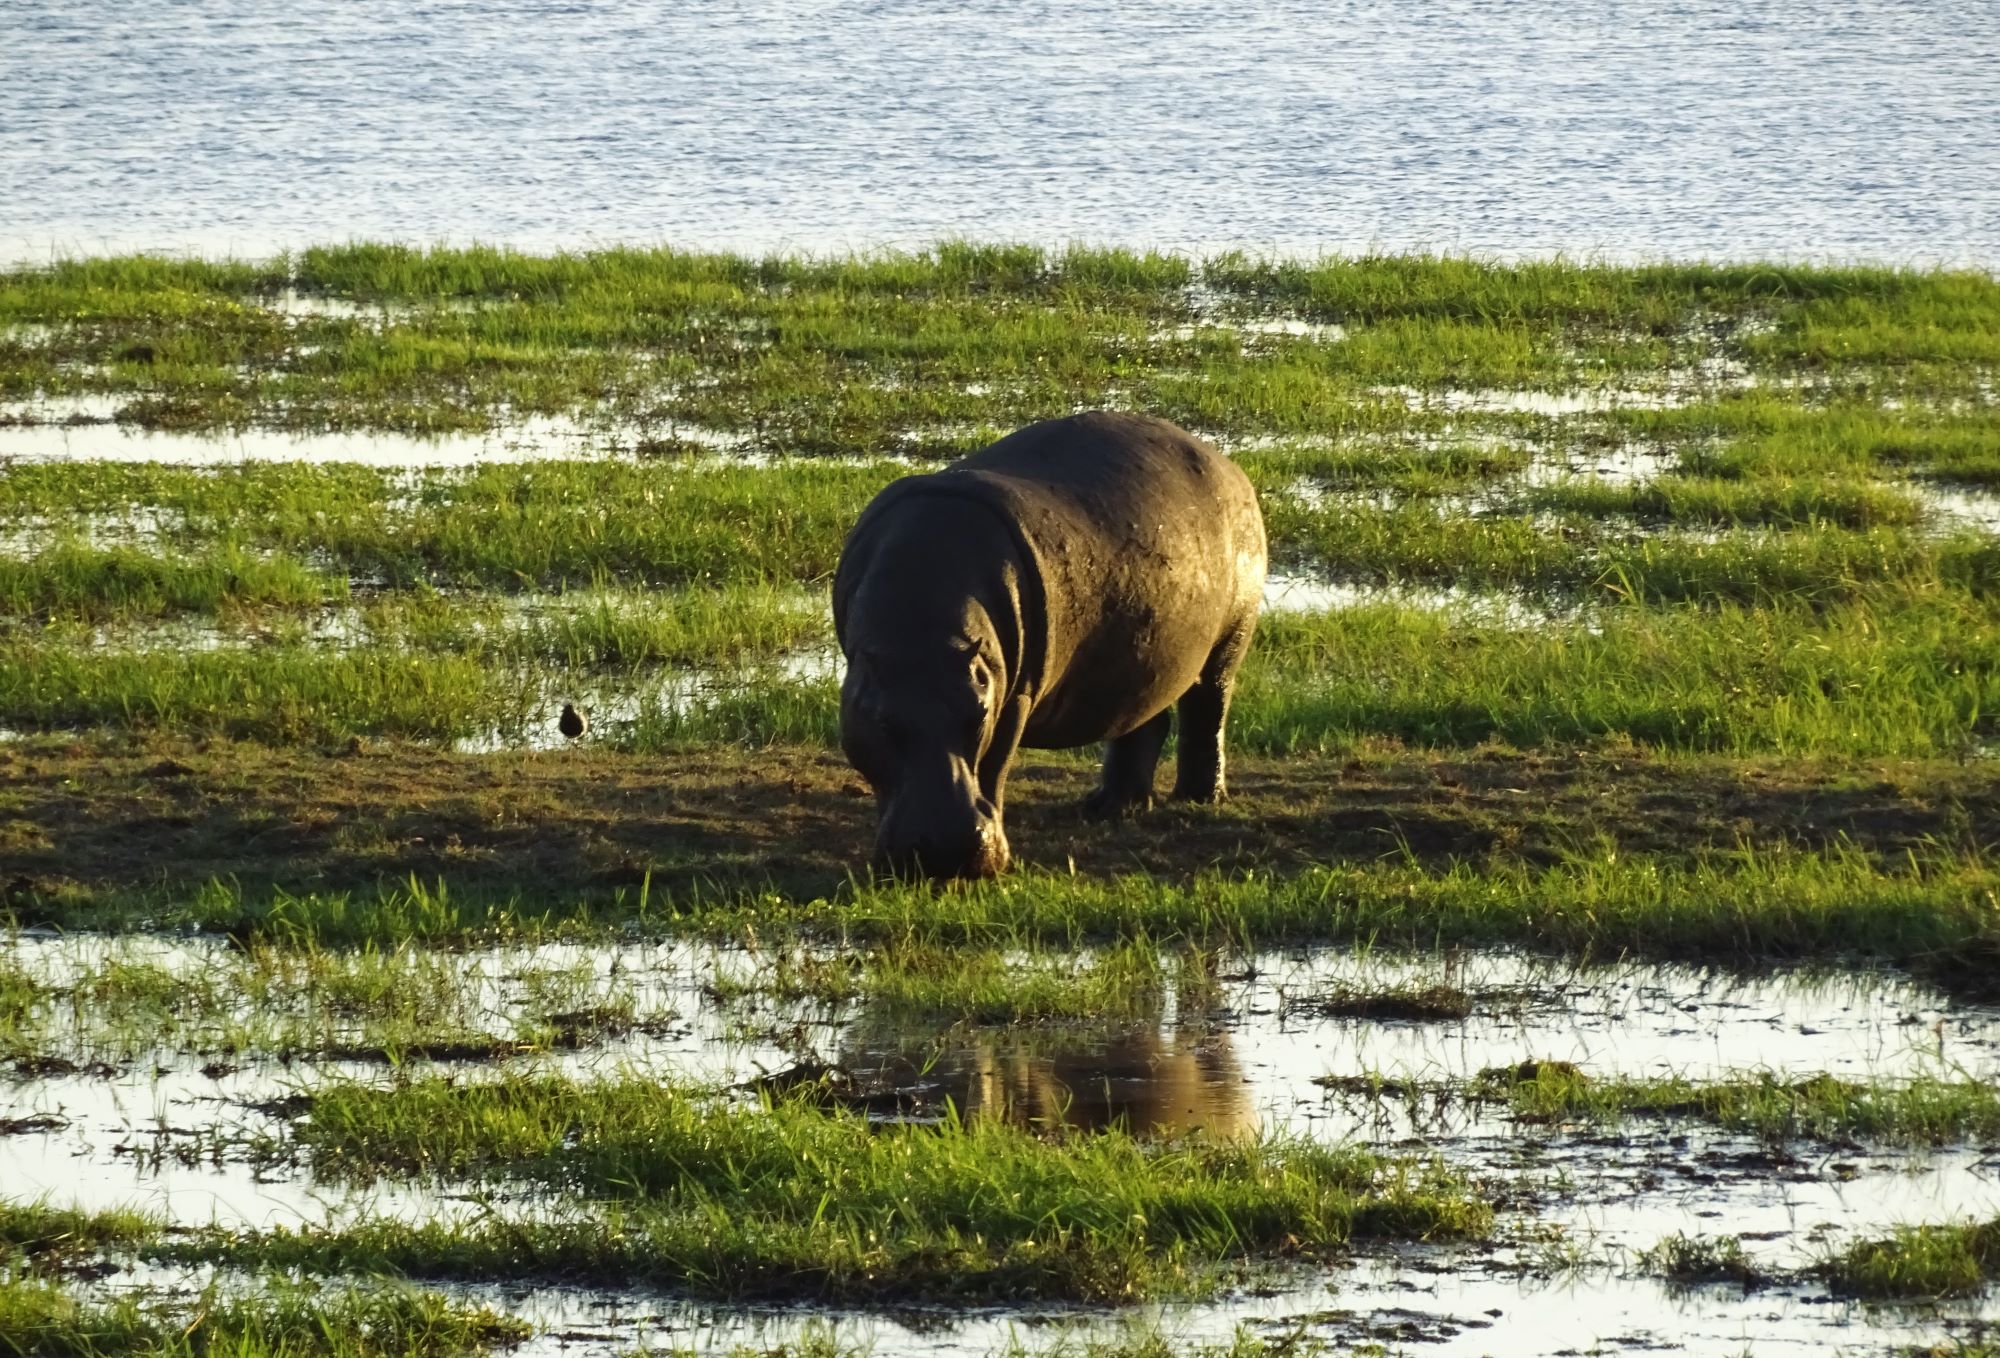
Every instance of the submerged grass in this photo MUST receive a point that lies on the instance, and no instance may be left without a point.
(793, 1200)
(1686, 1261)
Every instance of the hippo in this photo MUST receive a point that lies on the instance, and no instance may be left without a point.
(1069, 584)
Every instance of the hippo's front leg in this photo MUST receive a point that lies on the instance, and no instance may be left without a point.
(1129, 762)
(1008, 723)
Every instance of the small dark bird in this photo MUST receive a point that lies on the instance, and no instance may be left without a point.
(572, 723)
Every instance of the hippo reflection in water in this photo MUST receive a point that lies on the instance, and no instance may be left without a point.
(1073, 583)
(1150, 1082)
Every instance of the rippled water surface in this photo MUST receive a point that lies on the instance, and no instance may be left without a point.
(1699, 129)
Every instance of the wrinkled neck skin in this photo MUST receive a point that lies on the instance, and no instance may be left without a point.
(930, 708)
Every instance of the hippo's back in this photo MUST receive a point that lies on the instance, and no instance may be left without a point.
(1150, 548)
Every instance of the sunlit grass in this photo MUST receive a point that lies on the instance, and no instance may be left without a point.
(1919, 1263)
(277, 1319)
(792, 1199)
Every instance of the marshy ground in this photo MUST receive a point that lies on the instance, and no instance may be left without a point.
(1601, 943)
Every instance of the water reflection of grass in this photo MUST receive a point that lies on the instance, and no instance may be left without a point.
(910, 980)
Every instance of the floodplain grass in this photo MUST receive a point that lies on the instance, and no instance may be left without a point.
(40, 1318)
(1353, 465)
(840, 354)
(84, 582)
(1926, 1110)
(1802, 503)
(790, 1199)
(1904, 672)
(1918, 1263)
(1574, 555)
(1934, 916)
(100, 1001)
(1782, 591)
(1761, 433)
(1894, 672)
(252, 538)
(38, 1236)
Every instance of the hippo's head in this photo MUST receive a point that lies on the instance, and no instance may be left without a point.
(916, 724)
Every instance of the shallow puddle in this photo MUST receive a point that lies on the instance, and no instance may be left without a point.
(1956, 509)
(102, 440)
(1289, 593)
(1675, 389)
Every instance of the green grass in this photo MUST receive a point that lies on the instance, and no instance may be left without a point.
(1782, 595)
(51, 1238)
(790, 1200)
(506, 526)
(289, 535)
(1918, 1263)
(1576, 556)
(1776, 501)
(1898, 673)
(1934, 915)
(275, 694)
(1922, 1111)
(1892, 673)
(39, 1319)
(1359, 465)
(872, 352)
(78, 581)
(112, 1002)
(1747, 435)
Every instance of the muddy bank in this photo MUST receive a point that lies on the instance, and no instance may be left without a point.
(87, 816)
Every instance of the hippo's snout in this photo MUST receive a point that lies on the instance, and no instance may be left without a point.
(958, 838)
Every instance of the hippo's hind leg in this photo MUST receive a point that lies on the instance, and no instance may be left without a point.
(1205, 714)
(1129, 762)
